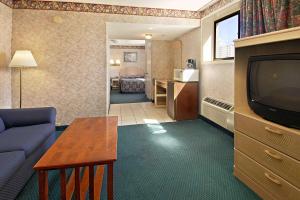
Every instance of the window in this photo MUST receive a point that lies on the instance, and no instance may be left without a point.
(227, 29)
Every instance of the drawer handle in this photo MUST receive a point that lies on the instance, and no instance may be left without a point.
(274, 180)
(273, 155)
(273, 131)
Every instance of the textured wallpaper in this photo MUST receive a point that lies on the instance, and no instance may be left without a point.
(70, 49)
(70, 52)
(177, 53)
(165, 57)
(162, 59)
(191, 46)
(5, 55)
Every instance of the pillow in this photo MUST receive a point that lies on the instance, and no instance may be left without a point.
(2, 126)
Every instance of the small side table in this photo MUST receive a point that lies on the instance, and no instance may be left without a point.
(160, 93)
(115, 83)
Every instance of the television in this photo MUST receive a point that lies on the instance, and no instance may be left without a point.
(273, 88)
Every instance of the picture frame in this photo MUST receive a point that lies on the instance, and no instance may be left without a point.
(130, 56)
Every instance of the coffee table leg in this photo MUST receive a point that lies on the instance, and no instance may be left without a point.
(91, 182)
(43, 184)
(77, 183)
(110, 185)
(63, 184)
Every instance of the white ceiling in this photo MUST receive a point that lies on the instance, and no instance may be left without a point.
(132, 31)
(128, 42)
(192, 5)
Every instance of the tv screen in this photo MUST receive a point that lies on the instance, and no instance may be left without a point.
(274, 87)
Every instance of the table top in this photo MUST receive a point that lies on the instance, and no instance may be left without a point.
(87, 141)
(162, 83)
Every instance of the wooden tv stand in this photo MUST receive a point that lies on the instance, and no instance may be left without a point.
(266, 154)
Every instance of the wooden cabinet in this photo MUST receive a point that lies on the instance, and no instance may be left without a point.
(271, 182)
(280, 163)
(276, 136)
(182, 100)
(266, 154)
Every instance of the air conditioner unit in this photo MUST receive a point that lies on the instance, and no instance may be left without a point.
(218, 111)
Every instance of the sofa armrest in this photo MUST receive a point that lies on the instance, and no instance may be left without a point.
(28, 116)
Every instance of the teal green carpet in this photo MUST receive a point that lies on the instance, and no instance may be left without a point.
(116, 97)
(189, 160)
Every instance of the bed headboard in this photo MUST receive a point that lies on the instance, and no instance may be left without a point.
(132, 72)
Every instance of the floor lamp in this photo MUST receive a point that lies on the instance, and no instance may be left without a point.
(22, 59)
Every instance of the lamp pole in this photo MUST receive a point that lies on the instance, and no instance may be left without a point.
(22, 58)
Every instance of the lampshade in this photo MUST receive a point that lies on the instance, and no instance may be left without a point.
(23, 58)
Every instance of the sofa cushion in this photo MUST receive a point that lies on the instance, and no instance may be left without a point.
(10, 163)
(26, 138)
(2, 126)
(27, 116)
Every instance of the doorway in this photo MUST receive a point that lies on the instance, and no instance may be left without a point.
(161, 53)
(127, 69)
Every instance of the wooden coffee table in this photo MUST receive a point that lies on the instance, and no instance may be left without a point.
(87, 144)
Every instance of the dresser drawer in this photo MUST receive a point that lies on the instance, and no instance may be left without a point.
(280, 138)
(281, 164)
(271, 182)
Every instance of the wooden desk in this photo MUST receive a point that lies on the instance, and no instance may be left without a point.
(160, 93)
(182, 103)
(85, 144)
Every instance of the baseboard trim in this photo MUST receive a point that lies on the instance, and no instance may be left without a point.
(216, 125)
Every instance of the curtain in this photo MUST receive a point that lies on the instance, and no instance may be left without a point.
(262, 16)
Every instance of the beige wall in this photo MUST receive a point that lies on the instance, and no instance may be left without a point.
(191, 46)
(70, 48)
(165, 56)
(216, 77)
(71, 62)
(162, 56)
(148, 82)
(119, 54)
(5, 55)
(177, 53)
(162, 63)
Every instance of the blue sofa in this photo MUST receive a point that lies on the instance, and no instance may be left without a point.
(25, 135)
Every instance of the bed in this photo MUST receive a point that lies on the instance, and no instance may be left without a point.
(132, 85)
(132, 80)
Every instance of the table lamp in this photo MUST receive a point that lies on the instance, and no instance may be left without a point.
(22, 59)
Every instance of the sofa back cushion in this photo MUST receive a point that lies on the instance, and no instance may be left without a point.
(2, 126)
(27, 116)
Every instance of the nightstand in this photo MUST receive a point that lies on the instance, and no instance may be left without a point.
(115, 83)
